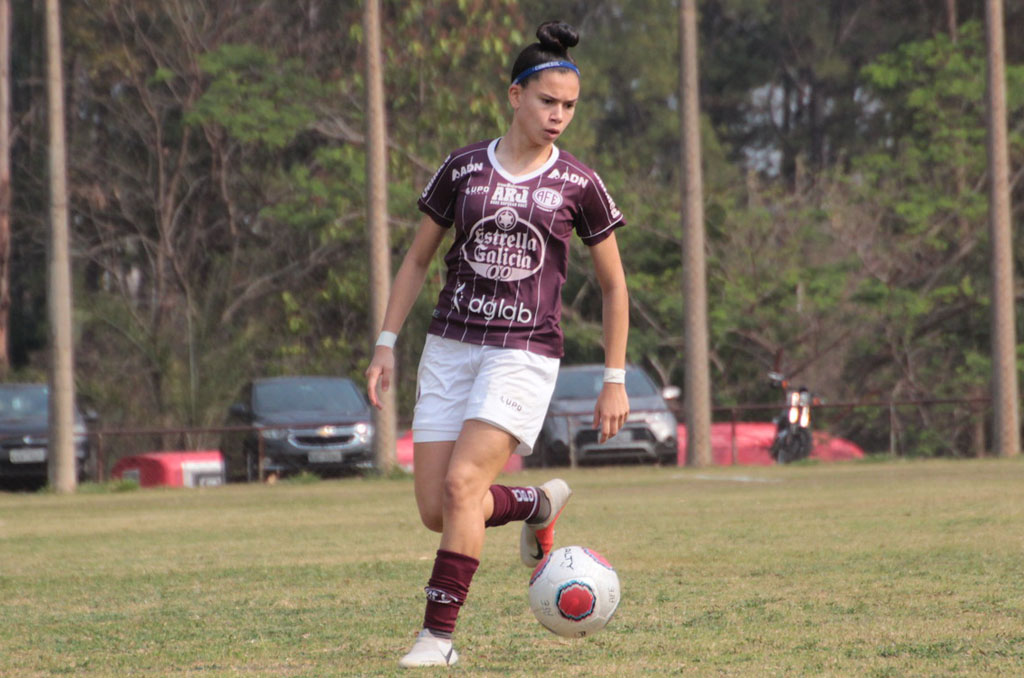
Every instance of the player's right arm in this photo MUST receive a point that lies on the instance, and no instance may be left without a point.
(406, 287)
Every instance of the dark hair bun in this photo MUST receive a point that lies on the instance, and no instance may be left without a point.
(557, 36)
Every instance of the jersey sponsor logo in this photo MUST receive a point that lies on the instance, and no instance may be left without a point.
(547, 199)
(504, 247)
(570, 177)
(466, 169)
(491, 308)
(433, 179)
(478, 190)
(510, 195)
(506, 219)
(457, 297)
(616, 214)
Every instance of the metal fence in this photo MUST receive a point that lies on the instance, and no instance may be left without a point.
(925, 427)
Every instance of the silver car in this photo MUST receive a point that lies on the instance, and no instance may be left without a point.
(650, 434)
(305, 423)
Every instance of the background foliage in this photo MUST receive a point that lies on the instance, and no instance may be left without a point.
(217, 176)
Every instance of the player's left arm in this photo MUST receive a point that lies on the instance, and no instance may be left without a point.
(612, 407)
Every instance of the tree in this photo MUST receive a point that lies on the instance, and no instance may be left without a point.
(1005, 393)
(698, 387)
(5, 186)
(376, 220)
(62, 467)
(917, 225)
(198, 200)
(218, 177)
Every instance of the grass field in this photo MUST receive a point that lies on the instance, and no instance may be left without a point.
(859, 569)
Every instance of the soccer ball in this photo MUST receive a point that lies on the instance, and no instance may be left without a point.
(574, 592)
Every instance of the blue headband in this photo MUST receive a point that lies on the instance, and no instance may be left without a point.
(540, 67)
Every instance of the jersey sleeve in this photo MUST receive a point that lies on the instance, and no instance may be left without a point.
(597, 216)
(438, 198)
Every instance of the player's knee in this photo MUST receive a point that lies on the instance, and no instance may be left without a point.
(432, 518)
(459, 491)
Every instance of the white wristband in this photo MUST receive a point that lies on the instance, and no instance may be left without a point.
(614, 375)
(387, 339)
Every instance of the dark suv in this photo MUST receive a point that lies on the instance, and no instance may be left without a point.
(650, 433)
(316, 424)
(24, 436)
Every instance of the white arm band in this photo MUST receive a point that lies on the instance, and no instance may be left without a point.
(387, 339)
(614, 375)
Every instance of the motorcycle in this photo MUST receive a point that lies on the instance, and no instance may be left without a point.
(793, 440)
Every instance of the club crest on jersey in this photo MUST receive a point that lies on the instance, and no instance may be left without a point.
(510, 195)
(547, 199)
(504, 247)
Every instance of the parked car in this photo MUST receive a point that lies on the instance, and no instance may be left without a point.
(303, 423)
(24, 436)
(650, 433)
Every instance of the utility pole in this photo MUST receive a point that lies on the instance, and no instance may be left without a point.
(1005, 393)
(385, 419)
(5, 186)
(62, 472)
(697, 384)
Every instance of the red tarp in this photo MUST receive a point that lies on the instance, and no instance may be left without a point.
(754, 439)
(174, 469)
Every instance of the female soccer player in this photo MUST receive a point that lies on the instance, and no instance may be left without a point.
(492, 351)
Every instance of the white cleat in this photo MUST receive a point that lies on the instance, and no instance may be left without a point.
(535, 541)
(429, 650)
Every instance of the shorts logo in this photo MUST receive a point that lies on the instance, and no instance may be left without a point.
(508, 402)
(510, 195)
(547, 199)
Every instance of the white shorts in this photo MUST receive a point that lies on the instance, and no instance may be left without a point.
(508, 388)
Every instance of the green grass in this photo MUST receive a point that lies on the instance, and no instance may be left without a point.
(875, 569)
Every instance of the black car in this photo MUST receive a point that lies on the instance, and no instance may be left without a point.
(316, 424)
(24, 436)
(650, 433)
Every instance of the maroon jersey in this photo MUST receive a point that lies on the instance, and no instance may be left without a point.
(508, 263)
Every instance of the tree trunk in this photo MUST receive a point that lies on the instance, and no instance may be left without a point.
(1005, 394)
(697, 384)
(952, 24)
(385, 420)
(62, 472)
(5, 187)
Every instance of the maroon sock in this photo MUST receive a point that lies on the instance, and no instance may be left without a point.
(512, 503)
(447, 589)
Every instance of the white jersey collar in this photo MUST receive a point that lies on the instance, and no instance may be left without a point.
(522, 177)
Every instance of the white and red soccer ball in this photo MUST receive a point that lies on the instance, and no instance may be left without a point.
(574, 592)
